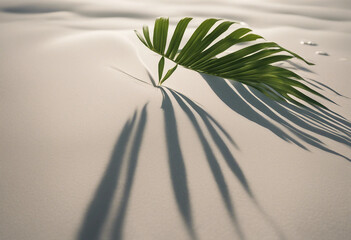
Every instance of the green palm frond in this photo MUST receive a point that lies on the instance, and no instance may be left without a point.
(251, 65)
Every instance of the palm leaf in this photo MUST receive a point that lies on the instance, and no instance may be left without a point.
(251, 65)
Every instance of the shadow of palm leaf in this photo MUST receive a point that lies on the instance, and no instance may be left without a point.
(257, 108)
(176, 164)
(210, 156)
(100, 206)
(131, 134)
(191, 109)
(131, 168)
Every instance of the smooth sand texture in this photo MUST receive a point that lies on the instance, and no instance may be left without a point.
(88, 152)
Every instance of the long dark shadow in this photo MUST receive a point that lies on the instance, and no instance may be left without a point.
(250, 103)
(269, 113)
(314, 83)
(336, 118)
(307, 125)
(213, 163)
(238, 105)
(231, 162)
(176, 164)
(307, 119)
(100, 205)
(325, 121)
(222, 146)
(131, 169)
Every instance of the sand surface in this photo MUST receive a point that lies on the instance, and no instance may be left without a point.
(88, 152)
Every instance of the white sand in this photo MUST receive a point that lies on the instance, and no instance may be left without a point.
(87, 152)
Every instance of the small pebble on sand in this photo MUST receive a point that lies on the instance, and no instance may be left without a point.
(322, 53)
(309, 43)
